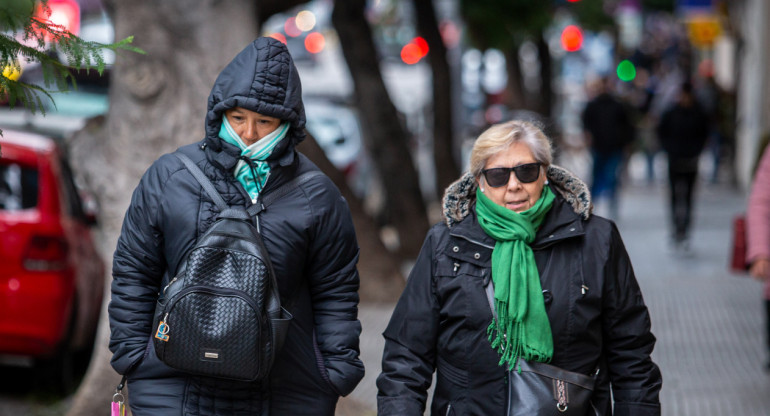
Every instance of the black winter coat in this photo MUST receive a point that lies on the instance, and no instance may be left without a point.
(594, 305)
(308, 233)
(609, 123)
(683, 131)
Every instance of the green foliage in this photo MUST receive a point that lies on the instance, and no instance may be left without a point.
(24, 35)
(503, 24)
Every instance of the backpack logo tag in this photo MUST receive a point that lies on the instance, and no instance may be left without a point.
(162, 332)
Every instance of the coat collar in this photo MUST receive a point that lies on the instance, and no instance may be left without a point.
(560, 223)
(460, 196)
(565, 219)
(226, 157)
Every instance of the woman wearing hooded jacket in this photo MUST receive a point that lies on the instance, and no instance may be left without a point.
(254, 121)
(520, 272)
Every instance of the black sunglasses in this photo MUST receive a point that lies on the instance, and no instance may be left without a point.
(526, 173)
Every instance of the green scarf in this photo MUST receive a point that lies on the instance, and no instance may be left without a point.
(253, 176)
(521, 328)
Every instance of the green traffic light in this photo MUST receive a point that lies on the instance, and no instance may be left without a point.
(626, 71)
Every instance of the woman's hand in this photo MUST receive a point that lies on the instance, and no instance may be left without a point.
(760, 268)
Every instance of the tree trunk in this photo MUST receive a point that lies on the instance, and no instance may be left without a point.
(514, 90)
(546, 72)
(387, 140)
(443, 142)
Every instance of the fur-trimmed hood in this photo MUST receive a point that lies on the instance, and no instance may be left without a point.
(459, 196)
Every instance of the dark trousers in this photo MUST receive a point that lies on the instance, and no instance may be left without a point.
(682, 174)
(606, 177)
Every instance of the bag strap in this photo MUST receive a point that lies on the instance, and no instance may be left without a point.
(203, 180)
(256, 208)
(490, 290)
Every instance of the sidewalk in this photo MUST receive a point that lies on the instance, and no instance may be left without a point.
(709, 323)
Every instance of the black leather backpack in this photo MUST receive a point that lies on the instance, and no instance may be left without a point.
(221, 315)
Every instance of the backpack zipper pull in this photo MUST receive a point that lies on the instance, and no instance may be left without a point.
(169, 284)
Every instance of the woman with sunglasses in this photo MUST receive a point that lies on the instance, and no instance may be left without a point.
(519, 278)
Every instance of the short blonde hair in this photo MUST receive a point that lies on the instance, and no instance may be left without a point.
(500, 136)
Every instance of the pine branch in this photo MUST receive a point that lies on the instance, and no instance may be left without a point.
(29, 37)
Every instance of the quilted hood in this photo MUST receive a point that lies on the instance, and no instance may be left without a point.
(459, 196)
(261, 78)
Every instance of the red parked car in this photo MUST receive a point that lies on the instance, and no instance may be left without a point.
(51, 276)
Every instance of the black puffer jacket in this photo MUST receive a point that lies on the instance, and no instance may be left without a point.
(594, 305)
(308, 234)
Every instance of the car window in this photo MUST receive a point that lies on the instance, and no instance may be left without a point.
(69, 191)
(18, 187)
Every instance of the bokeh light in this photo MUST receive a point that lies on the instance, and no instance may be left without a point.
(315, 42)
(305, 20)
(290, 27)
(572, 38)
(626, 71)
(411, 53)
(279, 36)
(12, 72)
(450, 34)
(422, 44)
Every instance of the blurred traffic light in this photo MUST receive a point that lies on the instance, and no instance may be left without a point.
(626, 71)
(572, 38)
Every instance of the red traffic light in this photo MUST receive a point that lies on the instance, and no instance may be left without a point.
(571, 38)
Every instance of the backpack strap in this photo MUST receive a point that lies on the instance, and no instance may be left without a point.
(256, 208)
(203, 180)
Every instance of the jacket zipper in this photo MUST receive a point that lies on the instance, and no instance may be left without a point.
(449, 409)
(473, 241)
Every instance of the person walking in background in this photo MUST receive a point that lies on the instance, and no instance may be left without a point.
(255, 119)
(609, 132)
(683, 130)
(758, 233)
(520, 278)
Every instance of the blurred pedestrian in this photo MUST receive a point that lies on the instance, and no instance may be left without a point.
(519, 280)
(758, 233)
(708, 95)
(254, 121)
(682, 131)
(609, 132)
